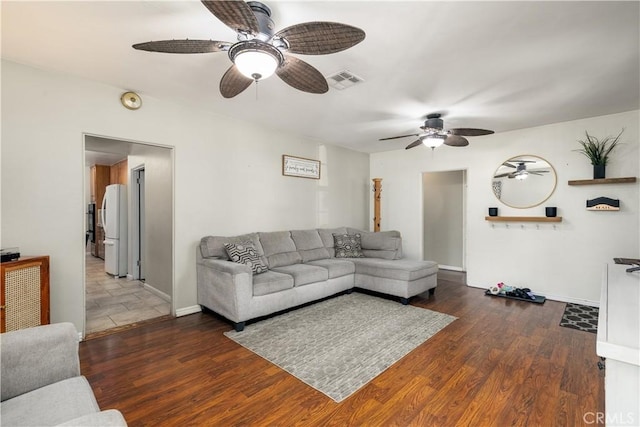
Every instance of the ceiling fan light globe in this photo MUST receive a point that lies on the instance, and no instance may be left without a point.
(256, 64)
(433, 141)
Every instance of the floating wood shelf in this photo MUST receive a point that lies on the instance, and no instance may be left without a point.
(524, 218)
(603, 181)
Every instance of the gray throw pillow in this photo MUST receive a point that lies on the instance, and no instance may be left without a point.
(348, 246)
(246, 253)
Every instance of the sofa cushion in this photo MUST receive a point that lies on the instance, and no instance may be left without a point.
(348, 246)
(303, 274)
(246, 253)
(336, 267)
(381, 244)
(271, 282)
(279, 248)
(309, 245)
(213, 246)
(399, 269)
(326, 234)
(50, 405)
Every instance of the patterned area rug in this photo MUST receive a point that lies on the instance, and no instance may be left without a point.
(582, 317)
(339, 345)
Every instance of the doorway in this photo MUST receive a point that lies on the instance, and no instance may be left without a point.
(146, 292)
(444, 201)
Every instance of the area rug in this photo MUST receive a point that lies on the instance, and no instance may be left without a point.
(339, 345)
(582, 317)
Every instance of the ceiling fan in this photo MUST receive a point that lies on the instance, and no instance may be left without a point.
(521, 171)
(434, 135)
(259, 52)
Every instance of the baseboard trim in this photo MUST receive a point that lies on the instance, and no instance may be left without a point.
(449, 267)
(156, 292)
(561, 298)
(188, 310)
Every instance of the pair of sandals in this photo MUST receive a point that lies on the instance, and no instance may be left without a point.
(524, 293)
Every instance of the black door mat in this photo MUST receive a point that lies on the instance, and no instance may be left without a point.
(581, 317)
(539, 299)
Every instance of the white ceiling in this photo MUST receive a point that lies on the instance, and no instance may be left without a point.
(492, 65)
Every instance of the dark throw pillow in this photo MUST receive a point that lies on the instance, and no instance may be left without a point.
(246, 253)
(348, 246)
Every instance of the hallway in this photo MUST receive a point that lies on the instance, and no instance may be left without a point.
(113, 302)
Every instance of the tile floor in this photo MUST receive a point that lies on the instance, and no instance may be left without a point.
(112, 302)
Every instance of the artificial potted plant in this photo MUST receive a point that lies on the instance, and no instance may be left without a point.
(598, 150)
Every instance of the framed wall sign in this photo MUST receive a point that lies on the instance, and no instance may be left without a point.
(300, 167)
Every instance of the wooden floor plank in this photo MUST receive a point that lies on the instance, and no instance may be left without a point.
(502, 362)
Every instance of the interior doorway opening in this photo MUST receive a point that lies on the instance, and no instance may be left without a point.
(146, 292)
(444, 220)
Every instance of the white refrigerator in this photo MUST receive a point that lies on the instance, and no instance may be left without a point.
(114, 221)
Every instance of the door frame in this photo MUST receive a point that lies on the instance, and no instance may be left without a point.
(85, 189)
(137, 224)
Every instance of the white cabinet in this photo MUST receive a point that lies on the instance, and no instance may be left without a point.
(619, 342)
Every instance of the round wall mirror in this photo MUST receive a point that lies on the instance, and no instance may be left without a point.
(524, 181)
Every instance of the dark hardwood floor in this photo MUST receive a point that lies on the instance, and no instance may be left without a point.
(503, 362)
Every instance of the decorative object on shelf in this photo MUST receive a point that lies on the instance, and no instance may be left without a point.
(551, 211)
(131, 100)
(524, 181)
(598, 151)
(493, 211)
(300, 167)
(377, 190)
(603, 204)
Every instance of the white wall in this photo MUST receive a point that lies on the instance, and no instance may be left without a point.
(227, 176)
(563, 261)
(158, 203)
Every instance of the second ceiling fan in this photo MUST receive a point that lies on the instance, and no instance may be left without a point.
(433, 134)
(259, 52)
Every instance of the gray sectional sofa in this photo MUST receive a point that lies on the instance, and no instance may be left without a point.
(41, 381)
(291, 268)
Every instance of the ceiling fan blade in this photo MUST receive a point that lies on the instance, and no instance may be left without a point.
(414, 144)
(470, 132)
(235, 14)
(302, 76)
(509, 165)
(502, 175)
(456, 141)
(183, 46)
(320, 38)
(233, 82)
(396, 137)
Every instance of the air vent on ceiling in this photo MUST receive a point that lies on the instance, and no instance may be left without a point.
(344, 79)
